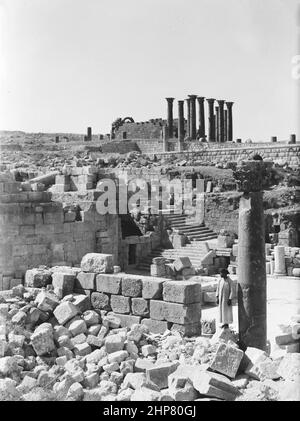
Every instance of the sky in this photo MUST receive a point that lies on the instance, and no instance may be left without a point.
(69, 64)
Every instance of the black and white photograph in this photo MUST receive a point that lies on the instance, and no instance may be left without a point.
(149, 204)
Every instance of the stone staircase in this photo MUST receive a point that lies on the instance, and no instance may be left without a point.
(196, 249)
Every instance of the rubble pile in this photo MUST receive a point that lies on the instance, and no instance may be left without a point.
(55, 346)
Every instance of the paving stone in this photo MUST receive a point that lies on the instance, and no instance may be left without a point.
(100, 301)
(97, 263)
(227, 360)
(132, 286)
(109, 283)
(65, 312)
(85, 280)
(120, 304)
(140, 307)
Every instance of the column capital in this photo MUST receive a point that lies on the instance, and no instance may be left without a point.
(229, 104)
(181, 101)
(210, 100)
(252, 175)
(221, 102)
(169, 99)
(201, 98)
(192, 96)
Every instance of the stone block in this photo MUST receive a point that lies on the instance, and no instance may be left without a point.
(132, 286)
(175, 313)
(260, 366)
(63, 283)
(65, 312)
(46, 301)
(182, 263)
(100, 301)
(289, 368)
(42, 341)
(126, 320)
(214, 385)
(37, 278)
(140, 307)
(91, 317)
(227, 360)
(82, 349)
(158, 270)
(156, 326)
(82, 302)
(209, 297)
(184, 292)
(114, 343)
(120, 304)
(188, 330)
(77, 326)
(208, 326)
(284, 339)
(85, 280)
(158, 374)
(108, 283)
(97, 263)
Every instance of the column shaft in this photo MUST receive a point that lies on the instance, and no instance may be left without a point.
(221, 120)
(188, 128)
(170, 117)
(193, 126)
(201, 116)
(211, 120)
(229, 121)
(180, 120)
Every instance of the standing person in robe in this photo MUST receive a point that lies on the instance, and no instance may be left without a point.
(224, 296)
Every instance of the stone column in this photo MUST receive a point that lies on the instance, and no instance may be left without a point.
(201, 116)
(229, 121)
(180, 120)
(221, 103)
(165, 138)
(279, 255)
(292, 139)
(217, 124)
(273, 139)
(211, 120)
(193, 124)
(188, 127)
(225, 125)
(170, 117)
(89, 133)
(252, 299)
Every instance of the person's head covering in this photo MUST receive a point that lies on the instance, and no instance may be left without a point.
(224, 273)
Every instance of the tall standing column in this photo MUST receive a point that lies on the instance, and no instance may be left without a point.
(225, 125)
(201, 116)
(221, 103)
(211, 120)
(252, 299)
(217, 124)
(180, 120)
(193, 124)
(188, 127)
(170, 117)
(229, 121)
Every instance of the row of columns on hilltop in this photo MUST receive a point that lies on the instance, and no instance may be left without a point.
(220, 126)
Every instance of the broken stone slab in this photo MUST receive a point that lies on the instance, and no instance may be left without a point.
(183, 292)
(65, 312)
(158, 374)
(114, 343)
(156, 326)
(82, 302)
(97, 263)
(214, 385)
(117, 356)
(37, 278)
(289, 367)
(227, 360)
(142, 364)
(134, 380)
(260, 366)
(42, 341)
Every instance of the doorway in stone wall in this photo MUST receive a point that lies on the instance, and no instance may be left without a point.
(131, 254)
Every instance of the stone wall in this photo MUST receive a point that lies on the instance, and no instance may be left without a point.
(234, 152)
(37, 231)
(222, 211)
(151, 129)
(159, 303)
